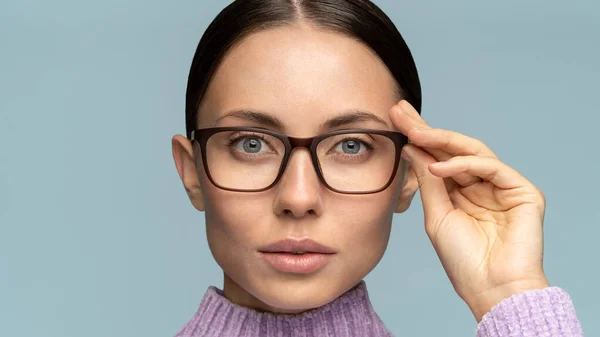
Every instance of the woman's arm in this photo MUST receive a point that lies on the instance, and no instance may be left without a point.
(545, 312)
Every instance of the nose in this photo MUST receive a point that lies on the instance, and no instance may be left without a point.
(299, 192)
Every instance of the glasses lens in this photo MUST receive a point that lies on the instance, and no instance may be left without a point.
(357, 162)
(244, 160)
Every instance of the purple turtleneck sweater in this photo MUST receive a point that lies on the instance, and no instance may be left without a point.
(542, 313)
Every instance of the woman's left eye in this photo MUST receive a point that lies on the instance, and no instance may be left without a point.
(351, 146)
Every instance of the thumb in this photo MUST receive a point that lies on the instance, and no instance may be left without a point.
(434, 195)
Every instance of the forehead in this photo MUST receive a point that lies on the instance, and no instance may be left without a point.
(300, 75)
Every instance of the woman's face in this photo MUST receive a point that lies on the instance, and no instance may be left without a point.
(303, 78)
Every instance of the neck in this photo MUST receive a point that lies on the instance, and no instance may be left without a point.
(350, 315)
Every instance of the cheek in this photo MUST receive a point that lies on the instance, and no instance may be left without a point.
(236, 217)
(232, 216)
(364, 227)
(235, 226)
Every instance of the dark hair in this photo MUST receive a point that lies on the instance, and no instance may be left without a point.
(359, 19)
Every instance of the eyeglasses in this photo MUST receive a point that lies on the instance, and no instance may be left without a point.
(244, 159)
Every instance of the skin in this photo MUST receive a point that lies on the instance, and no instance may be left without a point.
(483, 218)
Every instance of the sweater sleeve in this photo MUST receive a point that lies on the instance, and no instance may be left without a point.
(545, 312)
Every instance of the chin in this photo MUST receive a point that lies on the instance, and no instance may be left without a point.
(290, 294)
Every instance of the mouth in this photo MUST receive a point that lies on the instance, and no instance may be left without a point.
(297, 256)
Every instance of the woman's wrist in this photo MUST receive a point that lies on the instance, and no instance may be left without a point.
(483, 303)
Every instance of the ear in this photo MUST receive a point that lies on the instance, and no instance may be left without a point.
(183, 154)
(410, 185)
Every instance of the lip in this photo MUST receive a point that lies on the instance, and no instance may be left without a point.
(314, 255)
(297, 245)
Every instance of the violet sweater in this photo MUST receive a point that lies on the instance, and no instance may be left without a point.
(546, 313)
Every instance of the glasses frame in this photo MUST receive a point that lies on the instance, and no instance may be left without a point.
(291, 143)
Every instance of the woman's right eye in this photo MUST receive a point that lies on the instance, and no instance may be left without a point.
(251, 145)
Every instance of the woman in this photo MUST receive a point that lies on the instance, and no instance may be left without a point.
(304, 136)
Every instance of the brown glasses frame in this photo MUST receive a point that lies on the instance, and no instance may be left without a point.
(291, 143)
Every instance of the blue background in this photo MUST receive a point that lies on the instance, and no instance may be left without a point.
(97, 236)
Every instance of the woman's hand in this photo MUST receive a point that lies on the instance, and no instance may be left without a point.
(483, 218)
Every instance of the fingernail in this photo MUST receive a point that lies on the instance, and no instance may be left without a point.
(407, 108)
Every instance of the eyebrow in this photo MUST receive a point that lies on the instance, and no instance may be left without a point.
(256, 117)
(265, 119)
(353, 116)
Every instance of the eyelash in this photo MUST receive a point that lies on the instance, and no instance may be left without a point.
(232, 139)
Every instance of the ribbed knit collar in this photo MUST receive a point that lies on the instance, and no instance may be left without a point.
(350, 315)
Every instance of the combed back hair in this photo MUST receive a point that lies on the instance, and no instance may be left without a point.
(359, 19)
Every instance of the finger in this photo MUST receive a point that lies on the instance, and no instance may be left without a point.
(448, 141)
(434, 196)
(487, 168)
(462, 179)
(406, 119)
